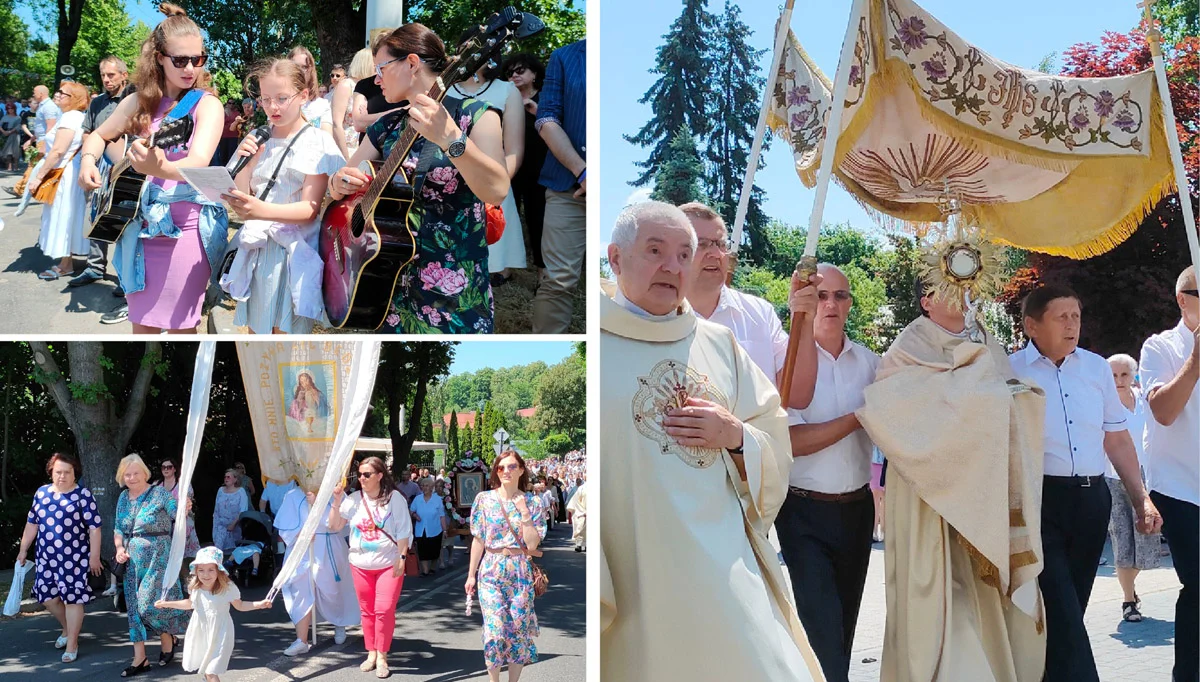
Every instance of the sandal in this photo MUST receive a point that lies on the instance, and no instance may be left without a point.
(61, 642)
(69, 656)
(1130, 613)
(136, 669)
(52, 274)
(165, 657)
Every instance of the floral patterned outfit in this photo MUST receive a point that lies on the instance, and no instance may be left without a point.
(146, 524)
(445, 289)
(193, 541)
(505, 583)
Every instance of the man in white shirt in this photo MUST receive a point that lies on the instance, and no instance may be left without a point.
(752, 320)
(1085, 420)
(1170, 367)
(825, 524)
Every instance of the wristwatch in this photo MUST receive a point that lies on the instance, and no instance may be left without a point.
(458, 147)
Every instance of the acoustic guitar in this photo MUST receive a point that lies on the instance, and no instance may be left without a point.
(365, 238)
(115, 203)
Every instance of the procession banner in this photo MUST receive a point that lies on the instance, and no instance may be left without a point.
(1066, 166)
(361, 360)
(296, 392)
(197, 417)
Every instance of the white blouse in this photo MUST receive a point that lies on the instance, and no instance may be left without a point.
(71, 120)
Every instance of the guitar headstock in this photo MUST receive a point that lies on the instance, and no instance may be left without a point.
(485, 41)
(172, 133)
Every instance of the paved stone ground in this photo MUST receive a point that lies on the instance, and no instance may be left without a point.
(434, 640)
(1125, 652)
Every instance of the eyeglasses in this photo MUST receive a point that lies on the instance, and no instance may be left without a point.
(509, 467)
(336, 76)
(167, 467)
(278, 102)
(379, 67)
(722, 245)
(367, 474)
(182, 62)
(517, 71)
(59, 92)
(839, 295)
(1190, 292)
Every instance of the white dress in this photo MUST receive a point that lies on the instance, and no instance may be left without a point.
(228, 508)
(317, 112)
(62, 221)
(328, 571)
(276, 275)
(509, 252)
(208, 643)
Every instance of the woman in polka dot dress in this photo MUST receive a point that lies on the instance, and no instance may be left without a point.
(66, 523)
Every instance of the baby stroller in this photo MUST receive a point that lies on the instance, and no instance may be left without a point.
(256, 542)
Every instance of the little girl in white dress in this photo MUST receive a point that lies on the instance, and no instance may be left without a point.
(208, 643)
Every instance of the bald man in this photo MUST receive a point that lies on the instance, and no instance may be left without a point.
(825, 524)
(1170, 368)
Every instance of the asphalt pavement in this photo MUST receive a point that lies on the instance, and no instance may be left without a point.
(435, 641)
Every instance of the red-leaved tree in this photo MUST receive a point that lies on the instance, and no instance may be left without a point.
(1129, 292)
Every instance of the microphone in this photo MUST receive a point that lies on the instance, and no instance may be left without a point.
(236, 165)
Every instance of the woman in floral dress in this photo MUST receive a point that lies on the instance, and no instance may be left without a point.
(445, 290)
(142, 535)
(501, 569)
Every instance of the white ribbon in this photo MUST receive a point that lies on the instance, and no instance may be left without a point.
(197, 416)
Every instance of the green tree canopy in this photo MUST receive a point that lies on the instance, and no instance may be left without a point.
(680, 177)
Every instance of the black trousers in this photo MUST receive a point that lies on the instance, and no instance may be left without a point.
(827, 547)
(1074, 529)
(532, 198)
(1181, 526)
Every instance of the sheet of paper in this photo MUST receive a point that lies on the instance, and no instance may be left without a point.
(211, 181)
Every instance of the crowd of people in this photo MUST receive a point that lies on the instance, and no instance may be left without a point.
(510, 160)
(353, 575)
(1001, 476)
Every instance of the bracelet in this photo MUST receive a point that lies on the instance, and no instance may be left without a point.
(95, 159)
(582, 174)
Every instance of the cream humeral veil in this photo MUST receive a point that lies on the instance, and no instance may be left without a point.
(963, 439)
(690, 587)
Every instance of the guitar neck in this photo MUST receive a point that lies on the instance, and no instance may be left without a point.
(400, 150)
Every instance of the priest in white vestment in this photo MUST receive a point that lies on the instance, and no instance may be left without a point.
(328, 572)
(963, 505)
(577, 506)
(695, 460)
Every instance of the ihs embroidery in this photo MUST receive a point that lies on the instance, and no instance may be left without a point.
(670, 385)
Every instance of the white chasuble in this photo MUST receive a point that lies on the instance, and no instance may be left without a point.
(690, 587)
(963, 552)
(328, 572)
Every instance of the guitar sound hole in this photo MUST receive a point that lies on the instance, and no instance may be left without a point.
(357, 224)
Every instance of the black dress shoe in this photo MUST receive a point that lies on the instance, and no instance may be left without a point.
(118, 292)
(85, 278)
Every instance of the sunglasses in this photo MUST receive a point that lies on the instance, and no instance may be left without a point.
(839, 295)
(165, 467)
(509, 467)
(367, 474)
(517, 71)
(182, 62)
(1190, 292)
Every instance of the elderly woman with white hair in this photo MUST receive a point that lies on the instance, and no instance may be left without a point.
(1133, 551)
(142, 535)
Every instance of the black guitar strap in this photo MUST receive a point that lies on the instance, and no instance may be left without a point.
(279, 166)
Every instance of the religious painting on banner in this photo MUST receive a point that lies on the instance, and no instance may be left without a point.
(295, 392)
(1062, 165)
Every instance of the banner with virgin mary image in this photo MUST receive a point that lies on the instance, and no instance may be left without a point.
(296, 392)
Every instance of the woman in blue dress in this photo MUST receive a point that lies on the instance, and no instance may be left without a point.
(66, 523)
(142, 535)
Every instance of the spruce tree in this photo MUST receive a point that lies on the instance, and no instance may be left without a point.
(680, 177)
(452, 437)
(737, 90)
(678, 97)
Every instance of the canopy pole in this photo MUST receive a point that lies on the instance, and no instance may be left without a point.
(739, 221)
(808, 262)
(1154, 38)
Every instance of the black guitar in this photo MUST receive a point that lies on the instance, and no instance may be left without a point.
(365, 240)
(115, 203)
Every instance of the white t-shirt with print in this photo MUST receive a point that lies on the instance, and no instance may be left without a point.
(369, 548)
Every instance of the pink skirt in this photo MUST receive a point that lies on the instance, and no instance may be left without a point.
(177, 274)
(876, 472)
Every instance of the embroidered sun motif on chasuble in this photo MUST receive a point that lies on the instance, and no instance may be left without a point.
(670, 384)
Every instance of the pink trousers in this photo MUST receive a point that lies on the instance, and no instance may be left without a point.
(378, 592)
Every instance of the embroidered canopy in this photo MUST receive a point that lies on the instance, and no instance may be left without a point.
(1066, 166)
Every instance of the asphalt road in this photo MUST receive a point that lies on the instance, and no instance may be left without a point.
(434, 640)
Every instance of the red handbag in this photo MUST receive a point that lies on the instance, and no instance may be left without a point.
(495, 223)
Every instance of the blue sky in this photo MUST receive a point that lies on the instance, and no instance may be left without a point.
(1020, 32)
(471, 356)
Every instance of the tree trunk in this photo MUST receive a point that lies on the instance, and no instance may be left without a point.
(414, 419)
(69, 20)
(341, 30)
(101, 435)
